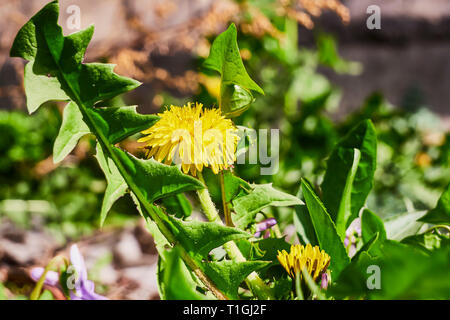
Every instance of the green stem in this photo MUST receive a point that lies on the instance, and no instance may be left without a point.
(226, 209)
(207, 205)
(36, 293)
(437, 227)
(298, 287)
(254, 282)
(313, 287)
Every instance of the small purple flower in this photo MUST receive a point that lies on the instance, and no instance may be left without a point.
(51, 277)
(84, 288)
(264, 225)
(324, 281)
(350, 238)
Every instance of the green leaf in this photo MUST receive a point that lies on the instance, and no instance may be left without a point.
(118, 123)
(298, 289)
(200, 238)
(401, 269)
(325, 230)
(371, 247)
(440, 214)
(428, 241)
(267, 249)
(228, 275)
(403, 225)
(262, 196)
(225, 58)
(235, 100)
(98, 82)
(405, 273)
(178, 205)
(304, 227)
(116, 186)
(313, 287)
(370, 225)
(161, 242)
(303, 224)
(41, 88)
(74, 49)
(339, 171)
(30, 43)
(409, 274)
(234, 185)
(248, 138)
(175, 281)
(72, 129)
(41, 41)
(352, 281)
(345, 211)
(156, 180)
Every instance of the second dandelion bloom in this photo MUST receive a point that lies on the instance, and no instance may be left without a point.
(312, 259)
(194, 137)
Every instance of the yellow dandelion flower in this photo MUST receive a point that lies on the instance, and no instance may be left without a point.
(194, 137)
(311, 258)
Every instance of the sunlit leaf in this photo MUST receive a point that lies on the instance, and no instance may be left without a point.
(200, 237)
(225, 58)
(235, 100)
(72, 129)
(339, 170)
(118, 123)
(303, 224)
(228, 275)
(267, 249)
(370, 225)
(348, 158)
(154, 179)
(441, 213)
(260, 197)
(234, 185)
(41, 41)
(403, 225)
(325, 231)
(175, 281)
(370, 247)
(404, 273)
(178, 205)
(428, 241)
(41, 88)
(116, 186)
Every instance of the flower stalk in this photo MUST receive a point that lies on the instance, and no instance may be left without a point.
(226, 209)
(254, 282)
(35, 294)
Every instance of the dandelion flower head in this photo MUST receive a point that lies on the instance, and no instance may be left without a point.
(194, 137)
(306, 257)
